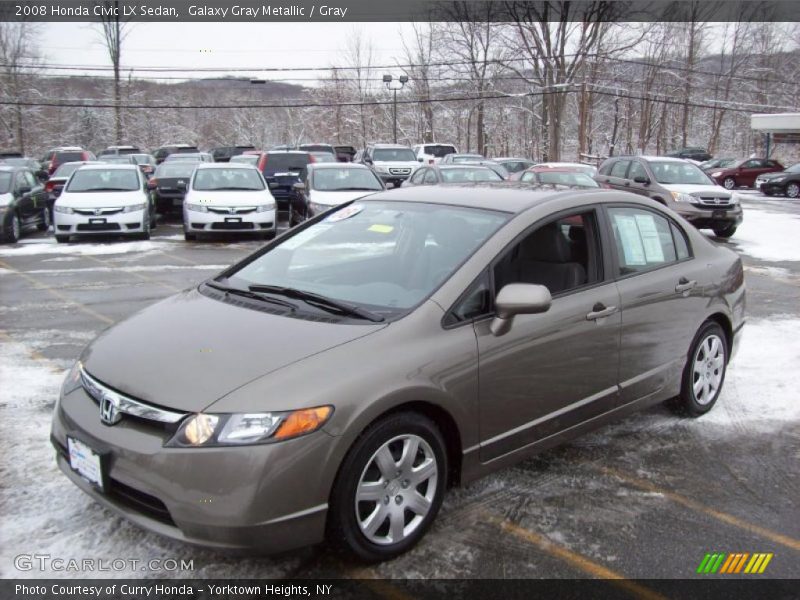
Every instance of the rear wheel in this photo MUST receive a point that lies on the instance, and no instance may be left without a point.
(389, 488)
(729, 183)
(793, 190)
(704, 372)
(44, 225)
(725, 232)
(14, 230)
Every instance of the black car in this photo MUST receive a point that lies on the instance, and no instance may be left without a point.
(23, 203)
(436, 174)
(345, 153)
(281, 170)
(168, 185)
(225, 153)
(785, 183)
(692, 153)
(58, 180)
(164, 151)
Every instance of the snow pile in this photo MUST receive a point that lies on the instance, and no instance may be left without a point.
(50, 246)
(769, 236)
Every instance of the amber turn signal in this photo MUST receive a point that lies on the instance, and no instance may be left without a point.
(303, 421)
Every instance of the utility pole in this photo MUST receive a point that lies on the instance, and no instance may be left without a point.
(388, 80)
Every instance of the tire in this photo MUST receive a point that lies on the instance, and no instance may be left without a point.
(189, 237)
(45, 224)
(792, 190)
(766, 193)
(367, 528)
(729, 183)
(706, 365)
(14, 230)
(725, 232)
(62, 239)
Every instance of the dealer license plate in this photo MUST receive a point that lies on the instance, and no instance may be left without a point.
(97, 221)
(85, 462)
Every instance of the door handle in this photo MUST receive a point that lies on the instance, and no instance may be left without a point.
(684, 285)
(599, 311)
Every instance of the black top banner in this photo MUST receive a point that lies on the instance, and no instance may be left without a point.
(268, 11)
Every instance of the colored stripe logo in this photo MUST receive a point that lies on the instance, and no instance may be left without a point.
(734, 563)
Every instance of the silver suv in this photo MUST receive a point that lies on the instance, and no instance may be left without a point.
(678, 184)
(393, 163)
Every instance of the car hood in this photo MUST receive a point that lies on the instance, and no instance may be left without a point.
(93, 199)
(334, 198)
(188, 351)
(768, 176)
(397, 164)
(6, 199)
(229, 198)
(694, 189)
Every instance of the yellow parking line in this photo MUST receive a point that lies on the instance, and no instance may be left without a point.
(105, 263)
(778, 538)
(576, 560)
(42, 286)
(34, 354)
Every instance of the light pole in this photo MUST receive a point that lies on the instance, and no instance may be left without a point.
(390, 85)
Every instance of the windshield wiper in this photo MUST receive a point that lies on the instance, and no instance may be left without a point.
(251, 294)
(354, 189)
(106, 189)
(322, 302)
(228, 189)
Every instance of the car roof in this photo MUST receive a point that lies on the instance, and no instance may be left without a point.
(390, 146)
(499, 158)
(513, 197)
(287, 152)
(227, 165)
(338, 165)
(101, 166)
(458, 166)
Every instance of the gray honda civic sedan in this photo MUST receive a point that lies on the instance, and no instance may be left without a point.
(335, 383)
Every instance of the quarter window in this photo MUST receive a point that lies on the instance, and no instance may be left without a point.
(643, 238)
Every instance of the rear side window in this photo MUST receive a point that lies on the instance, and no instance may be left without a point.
(619, 168)
(644, 240)
(681, 245)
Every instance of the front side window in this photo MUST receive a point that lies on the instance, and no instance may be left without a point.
(678, 173)
(383, 256)
(637, 170)
(643, 238)
(562, 255)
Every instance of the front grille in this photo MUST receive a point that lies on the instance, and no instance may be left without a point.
(96, 212)
(713, 201)
(139, 501)
(98, 227)
(231, 226)
(225, 210)
(399, 171)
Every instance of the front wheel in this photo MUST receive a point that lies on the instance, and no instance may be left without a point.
(729, 183)
(725, 232)
(14, 230)
(704, 372)
(793, 190)
(389, 488)
(44, 225)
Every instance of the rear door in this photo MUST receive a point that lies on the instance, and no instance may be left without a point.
(661, 297)
(750, 170)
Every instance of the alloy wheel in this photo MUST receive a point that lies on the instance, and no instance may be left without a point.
(793, 190)
(396, 489)
(729, 183)
(708, 369)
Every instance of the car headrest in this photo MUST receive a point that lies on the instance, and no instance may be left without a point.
(547, 244)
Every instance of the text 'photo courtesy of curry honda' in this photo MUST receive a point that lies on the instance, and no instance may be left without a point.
(327, 386)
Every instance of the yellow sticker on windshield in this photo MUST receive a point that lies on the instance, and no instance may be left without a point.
(377, 228)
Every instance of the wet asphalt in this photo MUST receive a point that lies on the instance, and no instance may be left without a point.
(644, 498)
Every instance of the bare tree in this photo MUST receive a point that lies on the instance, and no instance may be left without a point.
(419, 56)
(17, 54)
(114, 30)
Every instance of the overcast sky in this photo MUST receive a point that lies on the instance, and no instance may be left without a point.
(222, 45)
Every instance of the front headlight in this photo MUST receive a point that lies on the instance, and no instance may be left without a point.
(317, 208)
(63, 209)
(679, 197)
(717, 174)
(196, 207)
(206, 430)
(265, 207)
(73, 379)
(382, 169)
(134, 208)
(734, 199)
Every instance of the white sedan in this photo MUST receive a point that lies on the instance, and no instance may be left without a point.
(228, 197)
(103, 199)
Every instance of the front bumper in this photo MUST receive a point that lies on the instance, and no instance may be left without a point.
(251, 222)
(104, 224)
(768, 187)
(396, 178)
(702, 217)
(255, 498)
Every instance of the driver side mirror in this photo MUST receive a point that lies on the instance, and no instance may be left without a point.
(641, 179)
(518, 299)
(367, 160)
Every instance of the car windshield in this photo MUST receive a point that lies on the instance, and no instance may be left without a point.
(174, 170)
(142, 159)
(566, 178)
(248, 159)
(17, 162)
(6, 177)
(464, 158)
(679, 173)
(175, 157)
(66, 170)
(117, 160)
(104, 180)
(394, 155)
(339, 180)
(467, 174)
(227, 179)
(439, 150)
(383, 256)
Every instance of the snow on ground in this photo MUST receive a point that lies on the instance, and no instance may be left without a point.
(769, 236)
(134, 269)
(50, 246)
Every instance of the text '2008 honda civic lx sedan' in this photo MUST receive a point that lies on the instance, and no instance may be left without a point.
(338, 380)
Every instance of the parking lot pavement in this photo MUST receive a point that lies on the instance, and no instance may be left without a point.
(644, 498)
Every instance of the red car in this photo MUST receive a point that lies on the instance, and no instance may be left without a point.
(743, 173)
